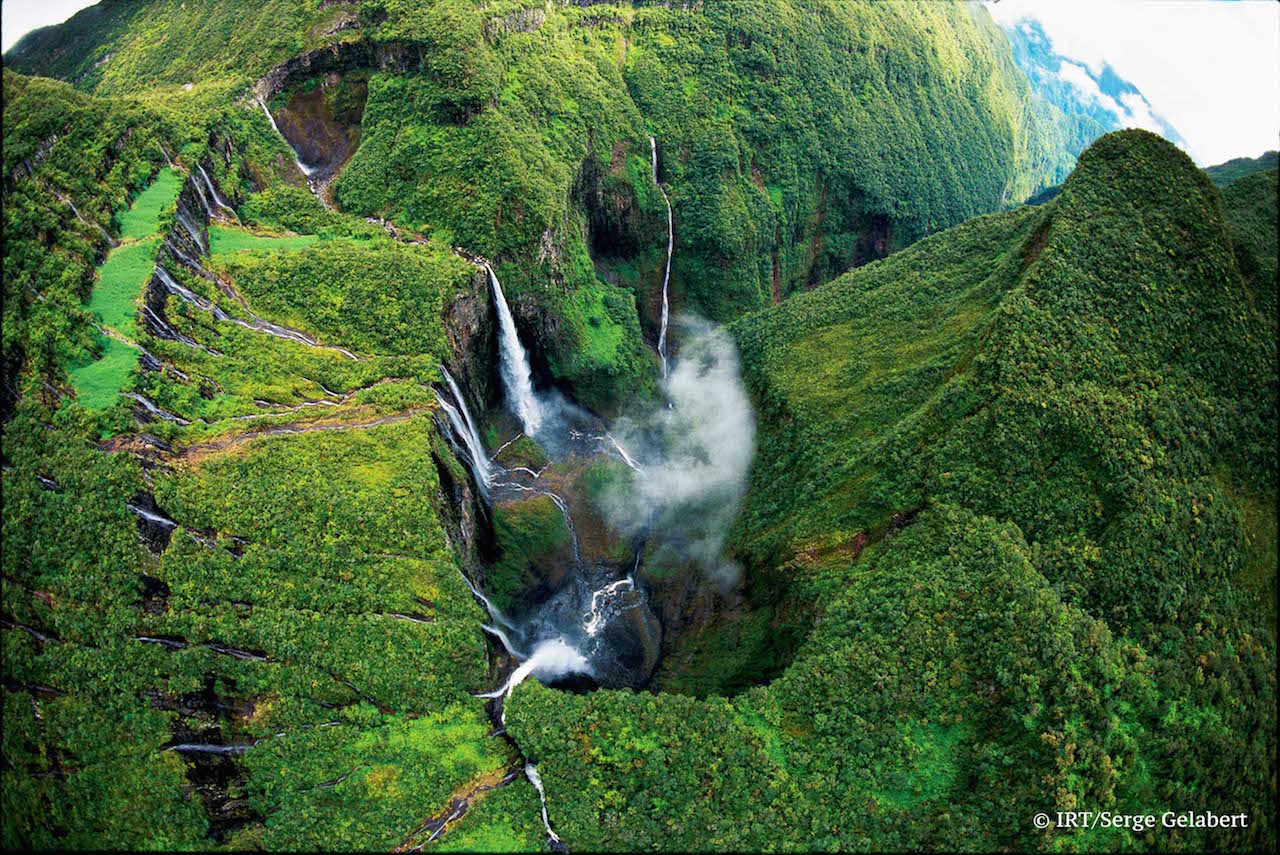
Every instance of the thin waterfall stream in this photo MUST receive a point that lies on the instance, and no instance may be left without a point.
(666, 272)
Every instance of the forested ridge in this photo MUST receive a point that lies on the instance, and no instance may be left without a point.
(1007, 537)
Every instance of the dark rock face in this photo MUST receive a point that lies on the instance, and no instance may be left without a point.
(616, 226)
(185, 244)
(470, 325)
(322, 120)
(344, 56)
(629, 645)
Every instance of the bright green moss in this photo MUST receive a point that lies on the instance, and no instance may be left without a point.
(121, 281)
(533, 539)
(98, 383)
(228, 239)
(143, 217)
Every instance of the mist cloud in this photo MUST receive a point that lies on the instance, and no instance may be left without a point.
(696, 456)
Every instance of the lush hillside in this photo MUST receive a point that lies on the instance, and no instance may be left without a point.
(288, 655)
(797, 138)
(990, 458)
(1250, 206)
(1227, 173)
(1006, 475)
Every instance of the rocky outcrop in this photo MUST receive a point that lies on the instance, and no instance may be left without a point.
(472, 332)
(340, 57)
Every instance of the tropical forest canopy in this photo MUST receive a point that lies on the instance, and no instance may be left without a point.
(948, 511)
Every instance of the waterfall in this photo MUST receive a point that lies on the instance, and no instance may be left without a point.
(204, 201)
(191, 228)
(150, 516)
(256, 323)
(189, 296)
(308, 171)
(502, 636)
(595, 618)
(531, 772)
(552, 658)
(156, 411)
(465, 427)
(666, 273)
(494, 611)
(516, 374)
(213, 191)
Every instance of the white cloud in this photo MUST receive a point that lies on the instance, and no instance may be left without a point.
(19, 17)
(1079, 78)
(1138, 112)
(1212, 69)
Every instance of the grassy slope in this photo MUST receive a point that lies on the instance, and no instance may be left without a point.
(120, 281)
(1059, 625)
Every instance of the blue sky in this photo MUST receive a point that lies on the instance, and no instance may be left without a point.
(1211, 67)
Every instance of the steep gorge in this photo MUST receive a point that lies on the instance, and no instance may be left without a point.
(863, 551)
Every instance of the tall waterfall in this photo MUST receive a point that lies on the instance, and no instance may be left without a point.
(516, 374)
(666, 273)
(465, 429)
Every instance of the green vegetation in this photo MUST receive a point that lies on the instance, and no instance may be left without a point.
(143, 217)
(1010, 539)
(1250, 207)
(1225, 174)
(121, 278)
(375, 296)
(228, 239)
(990, 460)
(98, 382)
(534, 539)
(799, 138)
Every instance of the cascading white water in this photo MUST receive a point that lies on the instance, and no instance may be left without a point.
(552, 658)
(531, 772)
(213, 191)
(516, 374)
(204, 201)
(596, 618)
(503, 636)
(666, 273)
(464, 427)
(191, 228)
(256, 323)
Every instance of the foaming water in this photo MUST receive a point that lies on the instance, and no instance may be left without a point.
(517, 376)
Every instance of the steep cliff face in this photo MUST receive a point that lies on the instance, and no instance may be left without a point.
(798, 139)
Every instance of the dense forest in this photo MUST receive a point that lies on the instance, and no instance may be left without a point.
(957, 505)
